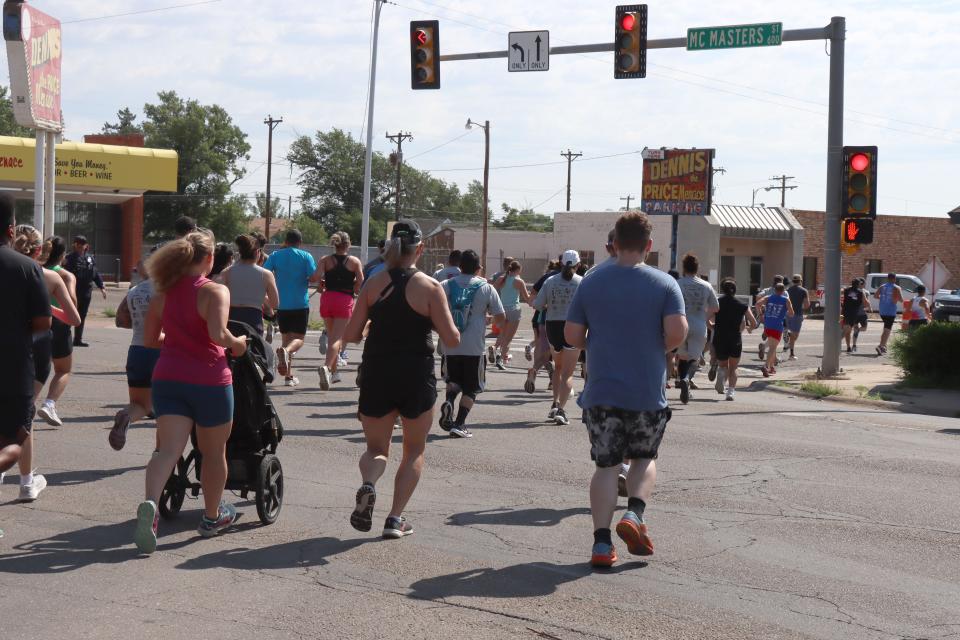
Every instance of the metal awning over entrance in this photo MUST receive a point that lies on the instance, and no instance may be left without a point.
(758, 223)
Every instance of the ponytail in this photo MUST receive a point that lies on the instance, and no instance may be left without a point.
(53, 249)
(248, 246)
(394, 252)
(568, 271)
(27, 240)
(173, 260)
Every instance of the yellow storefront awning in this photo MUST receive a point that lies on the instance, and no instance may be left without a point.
(91, 167)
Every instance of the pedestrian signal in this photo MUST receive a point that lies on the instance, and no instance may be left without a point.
(425, 54)
(630, 42)
(857, 231)
(859, 185)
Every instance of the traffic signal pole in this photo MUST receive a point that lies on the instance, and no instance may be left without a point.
(830, 365)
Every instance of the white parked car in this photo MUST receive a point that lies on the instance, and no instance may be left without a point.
(908, 286)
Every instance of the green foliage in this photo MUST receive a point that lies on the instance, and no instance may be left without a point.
(125, 124)
(928, 355)
(110, 312)
(258, 206)
(819, 389)
(312, 231)
(523, 220)
(9, 126)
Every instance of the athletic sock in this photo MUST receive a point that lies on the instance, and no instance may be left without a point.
(26, 479)
(637, 506)
(451, 396)
(602, 535)
(462, 414)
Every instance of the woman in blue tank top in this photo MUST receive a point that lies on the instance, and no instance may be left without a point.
(512, 290)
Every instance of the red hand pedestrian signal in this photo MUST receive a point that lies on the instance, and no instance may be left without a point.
(853, 230)
(857, 231)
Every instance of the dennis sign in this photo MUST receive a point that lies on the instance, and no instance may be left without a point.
(677, 183)
(34, 55)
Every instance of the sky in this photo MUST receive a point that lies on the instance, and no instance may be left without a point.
(762, 109)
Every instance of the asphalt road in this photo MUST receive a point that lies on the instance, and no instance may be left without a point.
(774, 517)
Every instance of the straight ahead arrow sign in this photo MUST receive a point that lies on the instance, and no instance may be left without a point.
(538, 48)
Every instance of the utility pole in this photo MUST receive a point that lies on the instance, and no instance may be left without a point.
(368, 154)
(570, 156)
(486, 185)
(289, 206)
(271, 125)
(397, 159)
(713, 189)
(628, 199)
(782, 188)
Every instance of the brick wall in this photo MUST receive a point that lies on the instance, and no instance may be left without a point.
(903, 244)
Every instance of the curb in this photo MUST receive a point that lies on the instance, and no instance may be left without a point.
(763, 385)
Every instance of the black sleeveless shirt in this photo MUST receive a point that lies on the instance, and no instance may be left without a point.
(340, 278)
(396, 329)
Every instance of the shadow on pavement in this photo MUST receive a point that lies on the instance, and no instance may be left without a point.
(298, 553)
(538, 517)
(67, 478)
(949, 432)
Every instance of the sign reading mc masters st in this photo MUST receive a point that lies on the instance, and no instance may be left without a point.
(767, 34)
(34, 55)
(678, 183)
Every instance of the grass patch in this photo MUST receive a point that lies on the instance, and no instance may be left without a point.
(315, 325)
(783, 385)
(819, 389)
(110, 312)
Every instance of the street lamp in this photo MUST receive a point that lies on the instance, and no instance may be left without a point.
(486, 179)
(753, 198)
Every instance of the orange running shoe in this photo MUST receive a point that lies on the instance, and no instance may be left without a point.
(634, 533)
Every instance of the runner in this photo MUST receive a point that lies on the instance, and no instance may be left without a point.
(83, 266)
(187, 321)
(626, 316)
(29, 243)
(184, 225)
(769, 291)
(850, 309)
(495, 328)
(775, 309)
(61, 345)
(396, 376)
(294, 269)
(800, 301)
(25, 317)
(253, 289)
(611, 254)
(921, 308)
(470, 298)
(452, 269)
(541, 345)
(862, 318)
(554, 300)
(700, 302)
(141, 361)
(342, 277)
(222, 259)
(889, 294)
(729, 323)
(376, 264)
(512, 289)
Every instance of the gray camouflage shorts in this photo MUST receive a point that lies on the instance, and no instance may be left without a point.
(618, 434)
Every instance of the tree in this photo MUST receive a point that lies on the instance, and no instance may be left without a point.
(125, 124)
(311, 230)
(210, 148)
(258, 206)
(8, 125)
(523, 220)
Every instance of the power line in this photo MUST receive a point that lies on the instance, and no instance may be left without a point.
(537, 164)
(423, 153)
(139, 12)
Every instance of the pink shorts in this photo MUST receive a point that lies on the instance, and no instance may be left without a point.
(334, 304)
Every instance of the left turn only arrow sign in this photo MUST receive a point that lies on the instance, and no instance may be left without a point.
(528, 51)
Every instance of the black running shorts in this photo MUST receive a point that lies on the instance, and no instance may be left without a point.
(727, 347)
(403, 384)
(41, 358)
(293, 321)
(468, 373)
(62, 345)
(888, 321)
(16, 417)
(555, 335)
(619, 434)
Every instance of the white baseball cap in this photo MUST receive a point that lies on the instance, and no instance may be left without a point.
(570, 257)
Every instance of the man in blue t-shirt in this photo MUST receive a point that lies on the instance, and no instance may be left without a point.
(627, 316)
(776, 308)
(294, 269)
(889, 295)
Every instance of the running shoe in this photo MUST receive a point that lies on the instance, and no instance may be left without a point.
(879, 351)
(719, 384)
(603, 555)
(145, 535)
(792, 357)
(323, 342)
(684, 387)
(701, 362)
(499, 363)
(561, 417)
(854, 348)
(291, 381)
(226, 516)
(282, 361)
(491, 355)
(460, 431)
(529, 385)
(762, 349)
(554, 408)
(362, 517)
(342, 362)
(446, 415)
(30, 492)
(528, 352)
(396, 528)
(622, 485)
(849, 350)
(324, 372)
(694, 385)
(765, 371)
(634, 532)
(731, 394)
(335, 377)
(48, 411)
(712, 374)
(118, 434)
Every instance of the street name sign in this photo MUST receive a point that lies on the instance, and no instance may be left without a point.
(766, 34)
(528, 51)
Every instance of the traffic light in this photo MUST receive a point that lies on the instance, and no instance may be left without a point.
(630, 42)
(425, 54)
(857, 231)
(859, 190)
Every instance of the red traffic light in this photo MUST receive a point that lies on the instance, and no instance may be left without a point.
(628, 22)
(421, 36)
(859, 161)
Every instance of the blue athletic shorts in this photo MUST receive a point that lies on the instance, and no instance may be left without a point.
(140, 363)
(795, 323)
(206, 405)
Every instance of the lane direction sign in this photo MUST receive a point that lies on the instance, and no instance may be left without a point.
(528, 51)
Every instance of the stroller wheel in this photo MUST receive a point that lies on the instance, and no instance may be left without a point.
(269, 489)
(171, 498)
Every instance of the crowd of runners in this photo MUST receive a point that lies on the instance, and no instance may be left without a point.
(635, 331)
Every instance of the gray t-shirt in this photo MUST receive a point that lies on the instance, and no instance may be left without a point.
(446, 273)
(698, 298)
(556, 296)
(138, 301)
(485, 300)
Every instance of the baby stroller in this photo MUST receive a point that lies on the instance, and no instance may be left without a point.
(252, 464)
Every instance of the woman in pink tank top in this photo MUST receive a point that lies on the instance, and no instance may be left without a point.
(187, 321)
